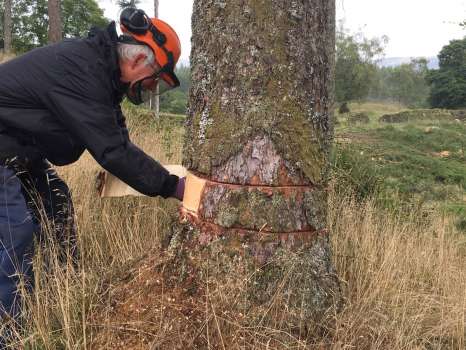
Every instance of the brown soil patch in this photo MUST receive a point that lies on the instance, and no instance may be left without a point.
(149, 311)
(354, 137)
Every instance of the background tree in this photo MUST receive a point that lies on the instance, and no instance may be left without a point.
(259, 132)
(7, 26)
(79, 16)
(155, 98)
(2, 18)
(405, 84)
(128, 3)
(175, 101)
(55, 21)
(30, 21)
(355, 64)
(30, 24)
(448, 83)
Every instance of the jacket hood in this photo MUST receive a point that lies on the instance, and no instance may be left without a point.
(106, 40)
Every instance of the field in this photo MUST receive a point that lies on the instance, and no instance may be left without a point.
(396, 217)
(420, 162)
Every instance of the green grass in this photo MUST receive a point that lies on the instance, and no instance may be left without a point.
(422, 162)
(413, 156)
(373, 109)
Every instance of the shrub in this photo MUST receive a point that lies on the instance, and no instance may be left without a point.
(358, 118)
(355, 174)
(344, 108)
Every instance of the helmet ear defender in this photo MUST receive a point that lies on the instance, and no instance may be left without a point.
(136, 21)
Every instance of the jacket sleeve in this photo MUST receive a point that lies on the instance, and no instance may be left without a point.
(121, 121)
(96, 125)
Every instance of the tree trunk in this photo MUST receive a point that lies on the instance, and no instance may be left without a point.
(7, 27)
(259, 132)
(155, 98)
(55, 21)
(156, 8)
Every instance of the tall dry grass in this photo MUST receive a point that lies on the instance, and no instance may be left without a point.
(111, 234)
(404, 277)
(6, 57)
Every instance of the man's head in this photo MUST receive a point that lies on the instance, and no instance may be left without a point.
(137, 63)
(148, 52)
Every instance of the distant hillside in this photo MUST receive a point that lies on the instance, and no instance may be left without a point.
(396, 61)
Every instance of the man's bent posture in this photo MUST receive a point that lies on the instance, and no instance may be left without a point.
(56, 102)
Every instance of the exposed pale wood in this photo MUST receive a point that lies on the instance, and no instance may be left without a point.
(193, 192)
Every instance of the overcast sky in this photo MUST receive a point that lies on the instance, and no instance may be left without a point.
(414, 27)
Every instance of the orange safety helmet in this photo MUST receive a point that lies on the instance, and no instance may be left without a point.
(156, 34)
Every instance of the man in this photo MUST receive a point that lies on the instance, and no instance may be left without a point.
(59, 100)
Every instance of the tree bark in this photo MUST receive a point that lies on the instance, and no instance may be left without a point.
(259, 132)
(7, 23)
(55, 21)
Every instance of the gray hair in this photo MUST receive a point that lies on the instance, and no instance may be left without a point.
(129, 51)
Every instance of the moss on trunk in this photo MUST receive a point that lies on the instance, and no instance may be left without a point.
(260, 67)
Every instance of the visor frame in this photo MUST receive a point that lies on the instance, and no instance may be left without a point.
(137, 92)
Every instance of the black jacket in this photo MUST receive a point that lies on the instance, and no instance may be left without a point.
(57, 101)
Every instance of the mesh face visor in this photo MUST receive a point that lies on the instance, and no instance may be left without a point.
(157, 84)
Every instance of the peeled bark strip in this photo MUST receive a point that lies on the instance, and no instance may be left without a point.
(259, 133)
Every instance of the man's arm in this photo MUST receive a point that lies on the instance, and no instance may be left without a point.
(121, 121)
(96, 125)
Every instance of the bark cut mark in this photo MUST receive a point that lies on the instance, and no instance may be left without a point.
(256, 199)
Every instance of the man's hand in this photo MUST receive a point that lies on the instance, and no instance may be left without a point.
(179, 193)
